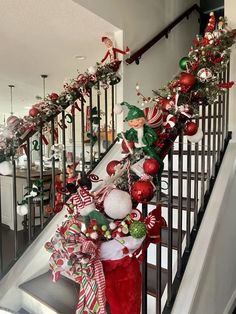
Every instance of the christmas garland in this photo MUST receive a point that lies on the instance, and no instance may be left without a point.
(114, 230)
(13, 134)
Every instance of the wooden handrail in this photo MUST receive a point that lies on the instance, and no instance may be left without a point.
(138, 54)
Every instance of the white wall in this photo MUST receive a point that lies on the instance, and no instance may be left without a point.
(140, 21)
(230, 13)
(209, 282)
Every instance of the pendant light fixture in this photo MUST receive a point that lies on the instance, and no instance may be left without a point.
(44, 76)
(11, 88)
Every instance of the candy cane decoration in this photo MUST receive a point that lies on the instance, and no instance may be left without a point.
(129, 176)
(126, 142)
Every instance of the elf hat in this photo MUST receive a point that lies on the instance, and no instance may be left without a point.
(134, 112)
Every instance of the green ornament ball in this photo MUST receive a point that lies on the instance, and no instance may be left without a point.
(183, 63)
(137, 229)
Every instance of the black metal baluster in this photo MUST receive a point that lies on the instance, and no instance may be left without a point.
(73, 139)
(106, 131)
(14, 204)
(188, 211)
(99, 124)
(158, 260)
(91, 128)
(170, 226)
(64, 149)
(203, 157)
(82, 137)
(29, 185)
(219, 123)
(223, 112)
(112, 113)
(196, 180)
(180, 203)
(1, 238)
(209, 136)
(144, 272)
(53, 164)
(214, 139)
(41, 176)
(227, 100)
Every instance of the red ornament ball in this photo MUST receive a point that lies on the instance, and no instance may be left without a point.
(142, 191)
(125, 148)
(53, 97)
(33, 112)
(187, 80)
(151, 166)
(166, 104)
(111, 167)
(191, 128)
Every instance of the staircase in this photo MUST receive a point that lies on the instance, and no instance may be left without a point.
(189, 174)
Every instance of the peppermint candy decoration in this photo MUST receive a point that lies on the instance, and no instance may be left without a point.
(204, 75)
(170, 121)
(150, 221)
(135, 214)
(153, 116)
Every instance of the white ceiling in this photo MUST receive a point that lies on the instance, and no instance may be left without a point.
(43, 37)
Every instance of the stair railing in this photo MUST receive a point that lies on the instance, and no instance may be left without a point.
(84, 133)
(191, 171)
(136, 56)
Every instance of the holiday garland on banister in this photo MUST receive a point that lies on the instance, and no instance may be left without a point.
(104, 235)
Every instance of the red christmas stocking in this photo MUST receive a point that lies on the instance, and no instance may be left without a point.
(123, 285)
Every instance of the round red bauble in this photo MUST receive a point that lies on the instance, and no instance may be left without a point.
(191, 128)
(125, 148)
(187, 79)
(151, 166)
(111, 167)
(53, 97)
(142, 191)
(166, 104)
(33, 112)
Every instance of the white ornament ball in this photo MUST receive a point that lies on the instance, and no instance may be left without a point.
(118, 109)
(196, 137)
(22, 210)
(112, 225)
(6, 168)
(92, 70)
(117, 204)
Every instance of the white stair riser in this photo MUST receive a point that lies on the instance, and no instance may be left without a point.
(151, 257)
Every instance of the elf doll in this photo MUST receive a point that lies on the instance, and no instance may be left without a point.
(112, 51)
(140, 133)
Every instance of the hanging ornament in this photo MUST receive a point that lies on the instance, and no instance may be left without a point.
(197, 137)
(33, 112)
(151, 166)
(186, 80)
(190, 128)
(137, 229)
(142, 191)
(183, 63)
(53, 97)
(117, 204)
(204, 75)
(22, 209)
(170, 121)
(153, 116)
(111, 167)
(166, 104)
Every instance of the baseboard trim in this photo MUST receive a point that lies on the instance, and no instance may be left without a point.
(231, 304)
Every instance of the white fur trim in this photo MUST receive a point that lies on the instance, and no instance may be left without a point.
(87, 209)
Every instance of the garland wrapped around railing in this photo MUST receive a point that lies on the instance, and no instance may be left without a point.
(111, 221)
(16, 130)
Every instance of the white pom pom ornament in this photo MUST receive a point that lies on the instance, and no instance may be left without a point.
(117, 204)
(22, 210)
(196, 137)
(6, 168)
(92, 70)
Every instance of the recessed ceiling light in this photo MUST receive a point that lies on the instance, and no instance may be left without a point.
(80, 57)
